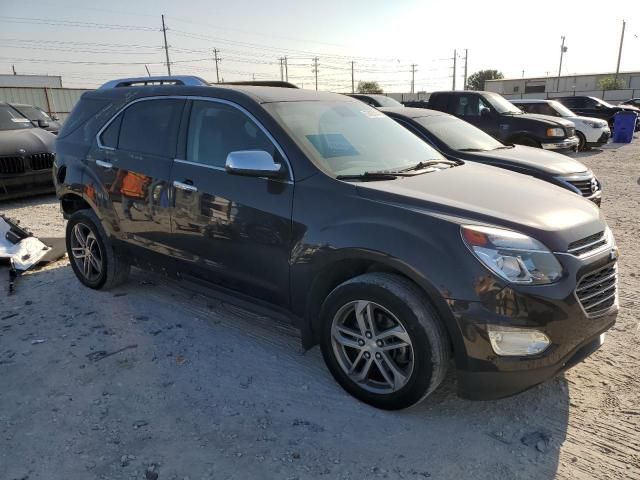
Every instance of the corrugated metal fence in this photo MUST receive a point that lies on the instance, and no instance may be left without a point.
(55, 101)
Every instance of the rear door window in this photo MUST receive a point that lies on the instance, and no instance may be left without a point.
(150, 127)
(109, 137)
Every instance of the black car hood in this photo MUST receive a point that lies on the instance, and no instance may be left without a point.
(481, 194)
(530, 158)
(548, 119)
(31, 140)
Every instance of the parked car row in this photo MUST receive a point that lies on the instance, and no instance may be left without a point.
(389, 237)
(26, 155)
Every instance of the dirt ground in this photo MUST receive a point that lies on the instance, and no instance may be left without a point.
(154, 380)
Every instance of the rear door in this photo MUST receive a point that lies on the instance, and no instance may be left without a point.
(235, 230)
(132, 164)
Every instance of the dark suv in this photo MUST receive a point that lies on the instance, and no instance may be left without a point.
(504, 121)
(596, 107)
(391, 257)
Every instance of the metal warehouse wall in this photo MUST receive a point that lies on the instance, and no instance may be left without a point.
(55, 101)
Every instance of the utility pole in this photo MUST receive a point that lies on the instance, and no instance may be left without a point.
(147, 69)
(353, 83)
(281, 69)
(286, 70)
(14, 69)
(413, 77)
(166, 47)
(217, 60)
(455, 56)
(620, 52)
(562, 50)
(466, 57)
(315, 70)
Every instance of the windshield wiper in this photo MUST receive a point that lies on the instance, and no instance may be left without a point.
(505, 147)
(369, 176)
(471, 150)
(427, 164)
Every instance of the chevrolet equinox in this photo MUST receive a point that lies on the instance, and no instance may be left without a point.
(397, 261)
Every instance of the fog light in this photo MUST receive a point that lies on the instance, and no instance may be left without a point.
(510, 342)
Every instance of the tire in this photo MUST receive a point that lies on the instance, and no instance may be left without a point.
(527, 142)
(105, 269)
(399, 305)
(582, 142)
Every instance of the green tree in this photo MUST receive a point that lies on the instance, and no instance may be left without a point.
(610, 83)
(476, 80)
(369, 87)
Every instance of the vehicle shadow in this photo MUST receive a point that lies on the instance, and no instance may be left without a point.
(215, 391)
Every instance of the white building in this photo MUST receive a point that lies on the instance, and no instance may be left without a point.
(33, 81)
(587, 84)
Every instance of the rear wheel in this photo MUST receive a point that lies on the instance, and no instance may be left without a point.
(382, 341)
(91, 255)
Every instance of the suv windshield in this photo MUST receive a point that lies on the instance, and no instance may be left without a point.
(458, 134)
(351, 138)
(12, 120)
(501, 104)
(32, 113)
(561, 109)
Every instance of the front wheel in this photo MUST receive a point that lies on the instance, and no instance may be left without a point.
(582, 142)
(382, 340)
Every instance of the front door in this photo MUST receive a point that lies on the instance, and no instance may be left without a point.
(234, 230)
(132, 165)
(474, 109)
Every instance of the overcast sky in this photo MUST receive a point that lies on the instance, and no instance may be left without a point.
(88, 45)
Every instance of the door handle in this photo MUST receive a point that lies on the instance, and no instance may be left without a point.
(103, 164)
(184, 186)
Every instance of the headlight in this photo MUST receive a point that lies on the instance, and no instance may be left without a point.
(555, 132)
(513, 256)
(596, 124)
(510, 342)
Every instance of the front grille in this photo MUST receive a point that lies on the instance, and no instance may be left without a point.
(597, 291)
(571, 131)
(587, 244)
(587, 186)
(42, 161)
(11, 165)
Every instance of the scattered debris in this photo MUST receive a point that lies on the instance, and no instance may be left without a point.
(539, 440)
(38, 341)
(100, 354)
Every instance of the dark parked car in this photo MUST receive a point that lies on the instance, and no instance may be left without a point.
(391, 257)
(457, 139)
(501, 119)
(634, 102)
(38, 117)
(26, 156)
(374, 100)
(596, 108)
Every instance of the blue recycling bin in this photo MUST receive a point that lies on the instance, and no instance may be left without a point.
(624, 124)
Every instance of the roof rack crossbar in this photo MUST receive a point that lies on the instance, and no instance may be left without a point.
(185, 80)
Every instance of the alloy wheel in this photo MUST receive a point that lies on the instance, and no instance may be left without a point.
(86, 252)
(372, 347)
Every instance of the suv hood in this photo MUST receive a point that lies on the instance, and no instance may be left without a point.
(549, 162)
(31, 140)
(548, 119)
(480, 194)
(588, 119)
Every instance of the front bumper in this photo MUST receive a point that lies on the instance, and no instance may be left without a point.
(603, 139)
(30, 183)
(567, 144)
(553, 309)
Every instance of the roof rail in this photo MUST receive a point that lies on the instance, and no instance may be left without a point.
(186, 80)
(261, 83)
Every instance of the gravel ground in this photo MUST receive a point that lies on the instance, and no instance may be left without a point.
(155, 380)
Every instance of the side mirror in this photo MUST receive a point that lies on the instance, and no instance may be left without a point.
(43, 124)
(253, 163)
(55, 118)
(599, 106)
(485, 112)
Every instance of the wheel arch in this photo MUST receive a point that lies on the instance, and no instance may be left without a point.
(350, 264)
